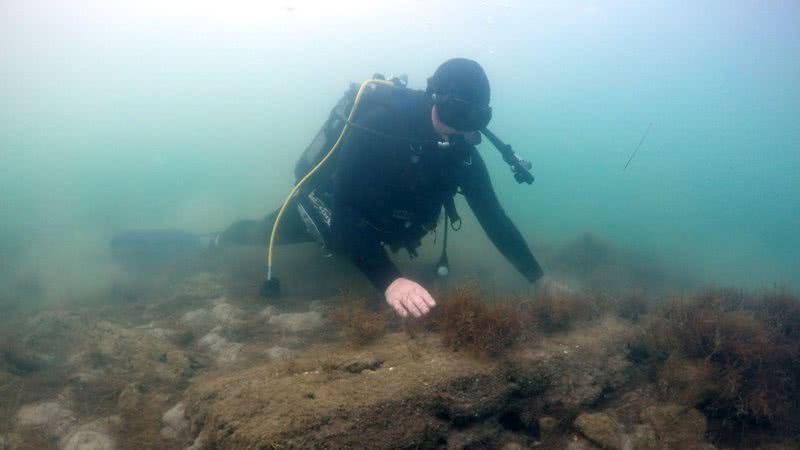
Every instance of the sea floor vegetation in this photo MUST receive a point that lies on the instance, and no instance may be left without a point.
(193, 359)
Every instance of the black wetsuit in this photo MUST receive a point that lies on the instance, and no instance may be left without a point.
(387, 187)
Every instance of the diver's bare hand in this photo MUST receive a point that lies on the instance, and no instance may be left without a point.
(408, 297)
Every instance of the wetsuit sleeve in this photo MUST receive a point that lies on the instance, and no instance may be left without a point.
(351, 234)
(480, 195)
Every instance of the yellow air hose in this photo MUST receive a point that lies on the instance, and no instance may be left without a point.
(300, 183)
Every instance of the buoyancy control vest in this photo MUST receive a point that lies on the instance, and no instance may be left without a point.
(317, 162)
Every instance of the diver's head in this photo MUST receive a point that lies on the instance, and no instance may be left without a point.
(460, 92)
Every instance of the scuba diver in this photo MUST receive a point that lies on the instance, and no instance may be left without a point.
(379, 174)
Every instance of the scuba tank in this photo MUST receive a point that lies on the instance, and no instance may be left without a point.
(312, 166)
(331, 130)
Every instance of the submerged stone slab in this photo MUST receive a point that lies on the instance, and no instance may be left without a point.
(314, 401)
(404, 392)
(577, 367)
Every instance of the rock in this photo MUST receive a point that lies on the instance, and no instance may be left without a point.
(224, 351)
(676, 426)
(199, 442)
(198, 319)
(277, 352)
(297, 322)
(225, 313)
(513, 446)
(571, 374)
(311, 401)
(601, 429)
(92, 436)
(88, 440)
(54, 418)
(87, 366)
(130, 398)
(361, 365)
(470, 400)
(400, 403)
(140, 354)
(547, 426)
(644, 438)
(579, 443)
(174, 422)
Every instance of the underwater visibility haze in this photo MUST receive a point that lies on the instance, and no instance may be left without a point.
(191, 115)
(665, 144)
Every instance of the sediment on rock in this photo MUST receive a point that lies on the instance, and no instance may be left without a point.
(407, 393)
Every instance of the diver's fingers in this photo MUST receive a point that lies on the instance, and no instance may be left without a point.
(420, 303)
(410, 302)
(426, 297)
(400, 308)
(408, 297)
(397, 304)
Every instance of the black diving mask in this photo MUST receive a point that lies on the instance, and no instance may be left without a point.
(461, 114)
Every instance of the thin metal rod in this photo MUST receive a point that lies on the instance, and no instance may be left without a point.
(644, 136)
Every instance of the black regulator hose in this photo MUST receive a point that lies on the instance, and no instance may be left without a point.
(520, 167)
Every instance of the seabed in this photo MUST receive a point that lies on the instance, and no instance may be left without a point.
(193, 359)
